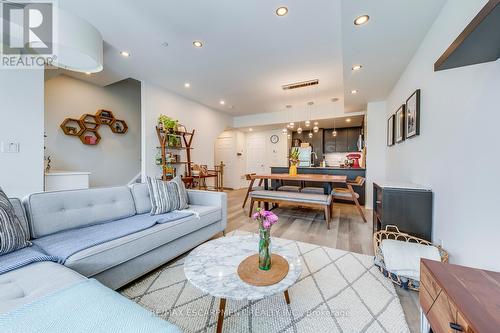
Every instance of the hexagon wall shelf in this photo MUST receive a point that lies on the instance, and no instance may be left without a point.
(119, 126)
(87, 126)
(72, 127)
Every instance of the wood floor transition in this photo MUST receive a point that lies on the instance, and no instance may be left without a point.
(348, 232)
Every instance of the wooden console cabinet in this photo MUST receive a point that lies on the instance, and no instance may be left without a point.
(459, 299)
(407, 206)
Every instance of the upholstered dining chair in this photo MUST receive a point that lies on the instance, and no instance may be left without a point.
(348, 194)
(248, 176)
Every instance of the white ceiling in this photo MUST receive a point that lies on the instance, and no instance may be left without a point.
(249, 52)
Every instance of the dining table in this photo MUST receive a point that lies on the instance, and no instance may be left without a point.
(329, 180)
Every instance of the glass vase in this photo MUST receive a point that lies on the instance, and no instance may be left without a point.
(265, 249)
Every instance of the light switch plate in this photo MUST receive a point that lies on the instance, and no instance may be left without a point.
(9, 147)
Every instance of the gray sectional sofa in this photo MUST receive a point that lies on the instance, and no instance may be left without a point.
(113, 263)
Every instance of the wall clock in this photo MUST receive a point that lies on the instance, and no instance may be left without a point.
(275, 138)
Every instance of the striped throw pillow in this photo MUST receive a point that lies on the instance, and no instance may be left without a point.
(12, 235)
(167, 196)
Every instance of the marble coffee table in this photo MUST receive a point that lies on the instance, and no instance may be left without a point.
(212, 268)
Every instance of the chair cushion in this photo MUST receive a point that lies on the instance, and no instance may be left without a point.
(50, 212)
(293, 197)
(288, 188)
(343, 193)
(316, 190)
(97, 259)
(31, 282)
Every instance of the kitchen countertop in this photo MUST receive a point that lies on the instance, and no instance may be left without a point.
(324, 168)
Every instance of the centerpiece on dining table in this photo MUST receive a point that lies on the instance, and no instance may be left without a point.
(264, 268)
(294, 162)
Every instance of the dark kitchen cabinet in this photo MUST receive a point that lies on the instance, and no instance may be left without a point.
(341, 144)
(407, 207)
(328, 142)
(317, 145)
(352, 138)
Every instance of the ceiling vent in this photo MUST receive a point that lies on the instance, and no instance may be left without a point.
(302, 84)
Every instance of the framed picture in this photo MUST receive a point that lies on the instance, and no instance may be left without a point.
(400, 124)
(390, 131)
(412, 119)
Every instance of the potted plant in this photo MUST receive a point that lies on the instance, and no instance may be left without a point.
(266, 220)
(167, 124)
(294, 161)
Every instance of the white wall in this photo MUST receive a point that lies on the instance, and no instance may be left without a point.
(275, 154)
(21, 114)
(116, 159)
(375, 132)
(457, 151)
(208, 123)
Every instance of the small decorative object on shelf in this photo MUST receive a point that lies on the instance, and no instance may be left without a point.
(294, 161)
(119, 126)
(105, 117)
(266, 220)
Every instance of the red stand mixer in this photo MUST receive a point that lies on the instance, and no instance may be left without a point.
(354, 157)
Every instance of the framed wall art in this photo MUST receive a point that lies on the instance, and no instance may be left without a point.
(390, 131)
(400, 124)
(412, 119)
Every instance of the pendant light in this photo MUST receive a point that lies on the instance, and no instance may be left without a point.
(310, 135)
(315, 129)
(334, 133)
(299, 130)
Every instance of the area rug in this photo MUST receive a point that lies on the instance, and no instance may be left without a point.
(338, 291)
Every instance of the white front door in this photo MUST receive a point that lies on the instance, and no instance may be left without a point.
(225, 151)
(256, 154)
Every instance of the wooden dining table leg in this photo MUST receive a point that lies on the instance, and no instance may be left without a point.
(248, 192)
(266, 187)
(287, 297)
(356, 202)
(222, 310)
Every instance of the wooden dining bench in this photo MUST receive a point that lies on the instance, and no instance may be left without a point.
(322, 201)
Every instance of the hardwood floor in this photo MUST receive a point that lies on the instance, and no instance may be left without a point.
(348, 232)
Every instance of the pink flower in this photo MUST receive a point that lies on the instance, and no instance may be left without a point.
(266, 224)
(255, 216)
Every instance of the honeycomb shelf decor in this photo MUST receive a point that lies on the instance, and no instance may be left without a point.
(89, 137)
(72, 127)
(86, 128)
(105, 117)
(119, 126)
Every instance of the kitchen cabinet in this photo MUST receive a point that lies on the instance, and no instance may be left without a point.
(352, 138)
(341, 143)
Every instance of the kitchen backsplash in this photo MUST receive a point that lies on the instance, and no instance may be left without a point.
(334, 159)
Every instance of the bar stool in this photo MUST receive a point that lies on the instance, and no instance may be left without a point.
(248, 176)
(348, 193)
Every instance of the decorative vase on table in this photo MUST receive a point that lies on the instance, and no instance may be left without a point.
(266, 220)
(294, 162)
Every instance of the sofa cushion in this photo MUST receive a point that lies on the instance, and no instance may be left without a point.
(140, 193)
(21, 215)
(98, 258)
(12, 234)
(166, 196)
(28, 283)
(50, 212)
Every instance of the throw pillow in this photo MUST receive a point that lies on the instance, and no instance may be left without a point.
(166, 196)
(12, 235)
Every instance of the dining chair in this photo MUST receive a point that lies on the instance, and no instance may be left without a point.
(348, 194)
(248, 176)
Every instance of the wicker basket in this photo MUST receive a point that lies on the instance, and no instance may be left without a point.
(392, 232)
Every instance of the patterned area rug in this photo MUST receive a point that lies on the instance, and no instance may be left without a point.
(338, 291)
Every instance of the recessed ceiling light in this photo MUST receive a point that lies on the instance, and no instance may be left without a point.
(187, 85)
(198, 43)
(354, 91)
(308, 123)
(348, 120)
(360, 20)
(282, 11)
(88, 73)
(335, 99)
(250, 129)
(357, 67)
(222, 102)
(125, 54)
(316, 123)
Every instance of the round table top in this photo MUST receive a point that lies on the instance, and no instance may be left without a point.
(212, 267)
